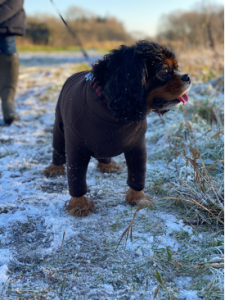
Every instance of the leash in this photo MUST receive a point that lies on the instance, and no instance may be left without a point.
(74, 35)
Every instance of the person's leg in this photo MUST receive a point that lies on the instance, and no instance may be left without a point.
(9, 69)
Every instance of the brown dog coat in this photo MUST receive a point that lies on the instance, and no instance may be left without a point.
(84, 128)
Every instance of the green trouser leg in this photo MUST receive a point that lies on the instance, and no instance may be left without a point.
(9, 70)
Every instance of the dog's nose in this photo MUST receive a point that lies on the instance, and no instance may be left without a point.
(186, 78)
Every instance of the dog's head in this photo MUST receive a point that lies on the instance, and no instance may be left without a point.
(139, 79)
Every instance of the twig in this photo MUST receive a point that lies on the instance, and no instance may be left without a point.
(128, 230)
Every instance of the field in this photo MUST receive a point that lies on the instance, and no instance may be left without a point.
(176, 251)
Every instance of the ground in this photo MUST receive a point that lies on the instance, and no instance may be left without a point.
(176, 251)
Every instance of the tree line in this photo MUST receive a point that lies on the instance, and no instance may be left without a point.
(90, 29)
(203, 26)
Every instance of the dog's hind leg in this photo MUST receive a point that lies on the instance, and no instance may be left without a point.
(59, 156)
(107, 165)
(53, 171)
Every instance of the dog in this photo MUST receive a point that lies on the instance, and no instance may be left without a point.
(102, 113)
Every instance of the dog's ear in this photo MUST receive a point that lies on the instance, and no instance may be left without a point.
(124, 84)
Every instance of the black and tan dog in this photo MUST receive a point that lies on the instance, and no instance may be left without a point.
(102, 113)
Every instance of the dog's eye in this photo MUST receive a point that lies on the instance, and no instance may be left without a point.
(165, 72)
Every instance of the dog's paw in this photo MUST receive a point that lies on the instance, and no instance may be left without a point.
(79, 206)
(138, 198)
(53, 171)
(112, 167)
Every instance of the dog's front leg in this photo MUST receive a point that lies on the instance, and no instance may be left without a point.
(134, 197)
(136, 164)
(78, 157)
(79, 206)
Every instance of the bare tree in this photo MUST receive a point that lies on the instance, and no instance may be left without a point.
(202, 26)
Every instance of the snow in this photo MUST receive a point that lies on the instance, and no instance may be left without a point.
(43, 58)
(3, 274)
(189, 295)
(5, 255)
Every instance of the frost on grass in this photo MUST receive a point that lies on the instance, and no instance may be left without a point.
(176, 250)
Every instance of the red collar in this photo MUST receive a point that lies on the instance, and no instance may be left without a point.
(99, 91)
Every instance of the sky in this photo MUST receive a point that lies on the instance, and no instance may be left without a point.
(136, 15)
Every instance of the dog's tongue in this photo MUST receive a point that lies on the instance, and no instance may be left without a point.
(184, 98)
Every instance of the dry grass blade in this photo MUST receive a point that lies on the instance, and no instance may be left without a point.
(202, 180)
(128, 230)
(191, 163)
(216, 161)
(192, 201)
(217, 265)
(217, 117)
(184, 183)
(157, 291)
(195, 154)
(204, 134)
(217, 134)
(210, 180)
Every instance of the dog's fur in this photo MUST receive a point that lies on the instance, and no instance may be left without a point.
(131, 82)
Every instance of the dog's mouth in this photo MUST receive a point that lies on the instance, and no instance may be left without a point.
(183, 98)
(164, 106)
(161, 103)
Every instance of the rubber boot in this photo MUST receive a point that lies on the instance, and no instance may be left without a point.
(9, 70)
